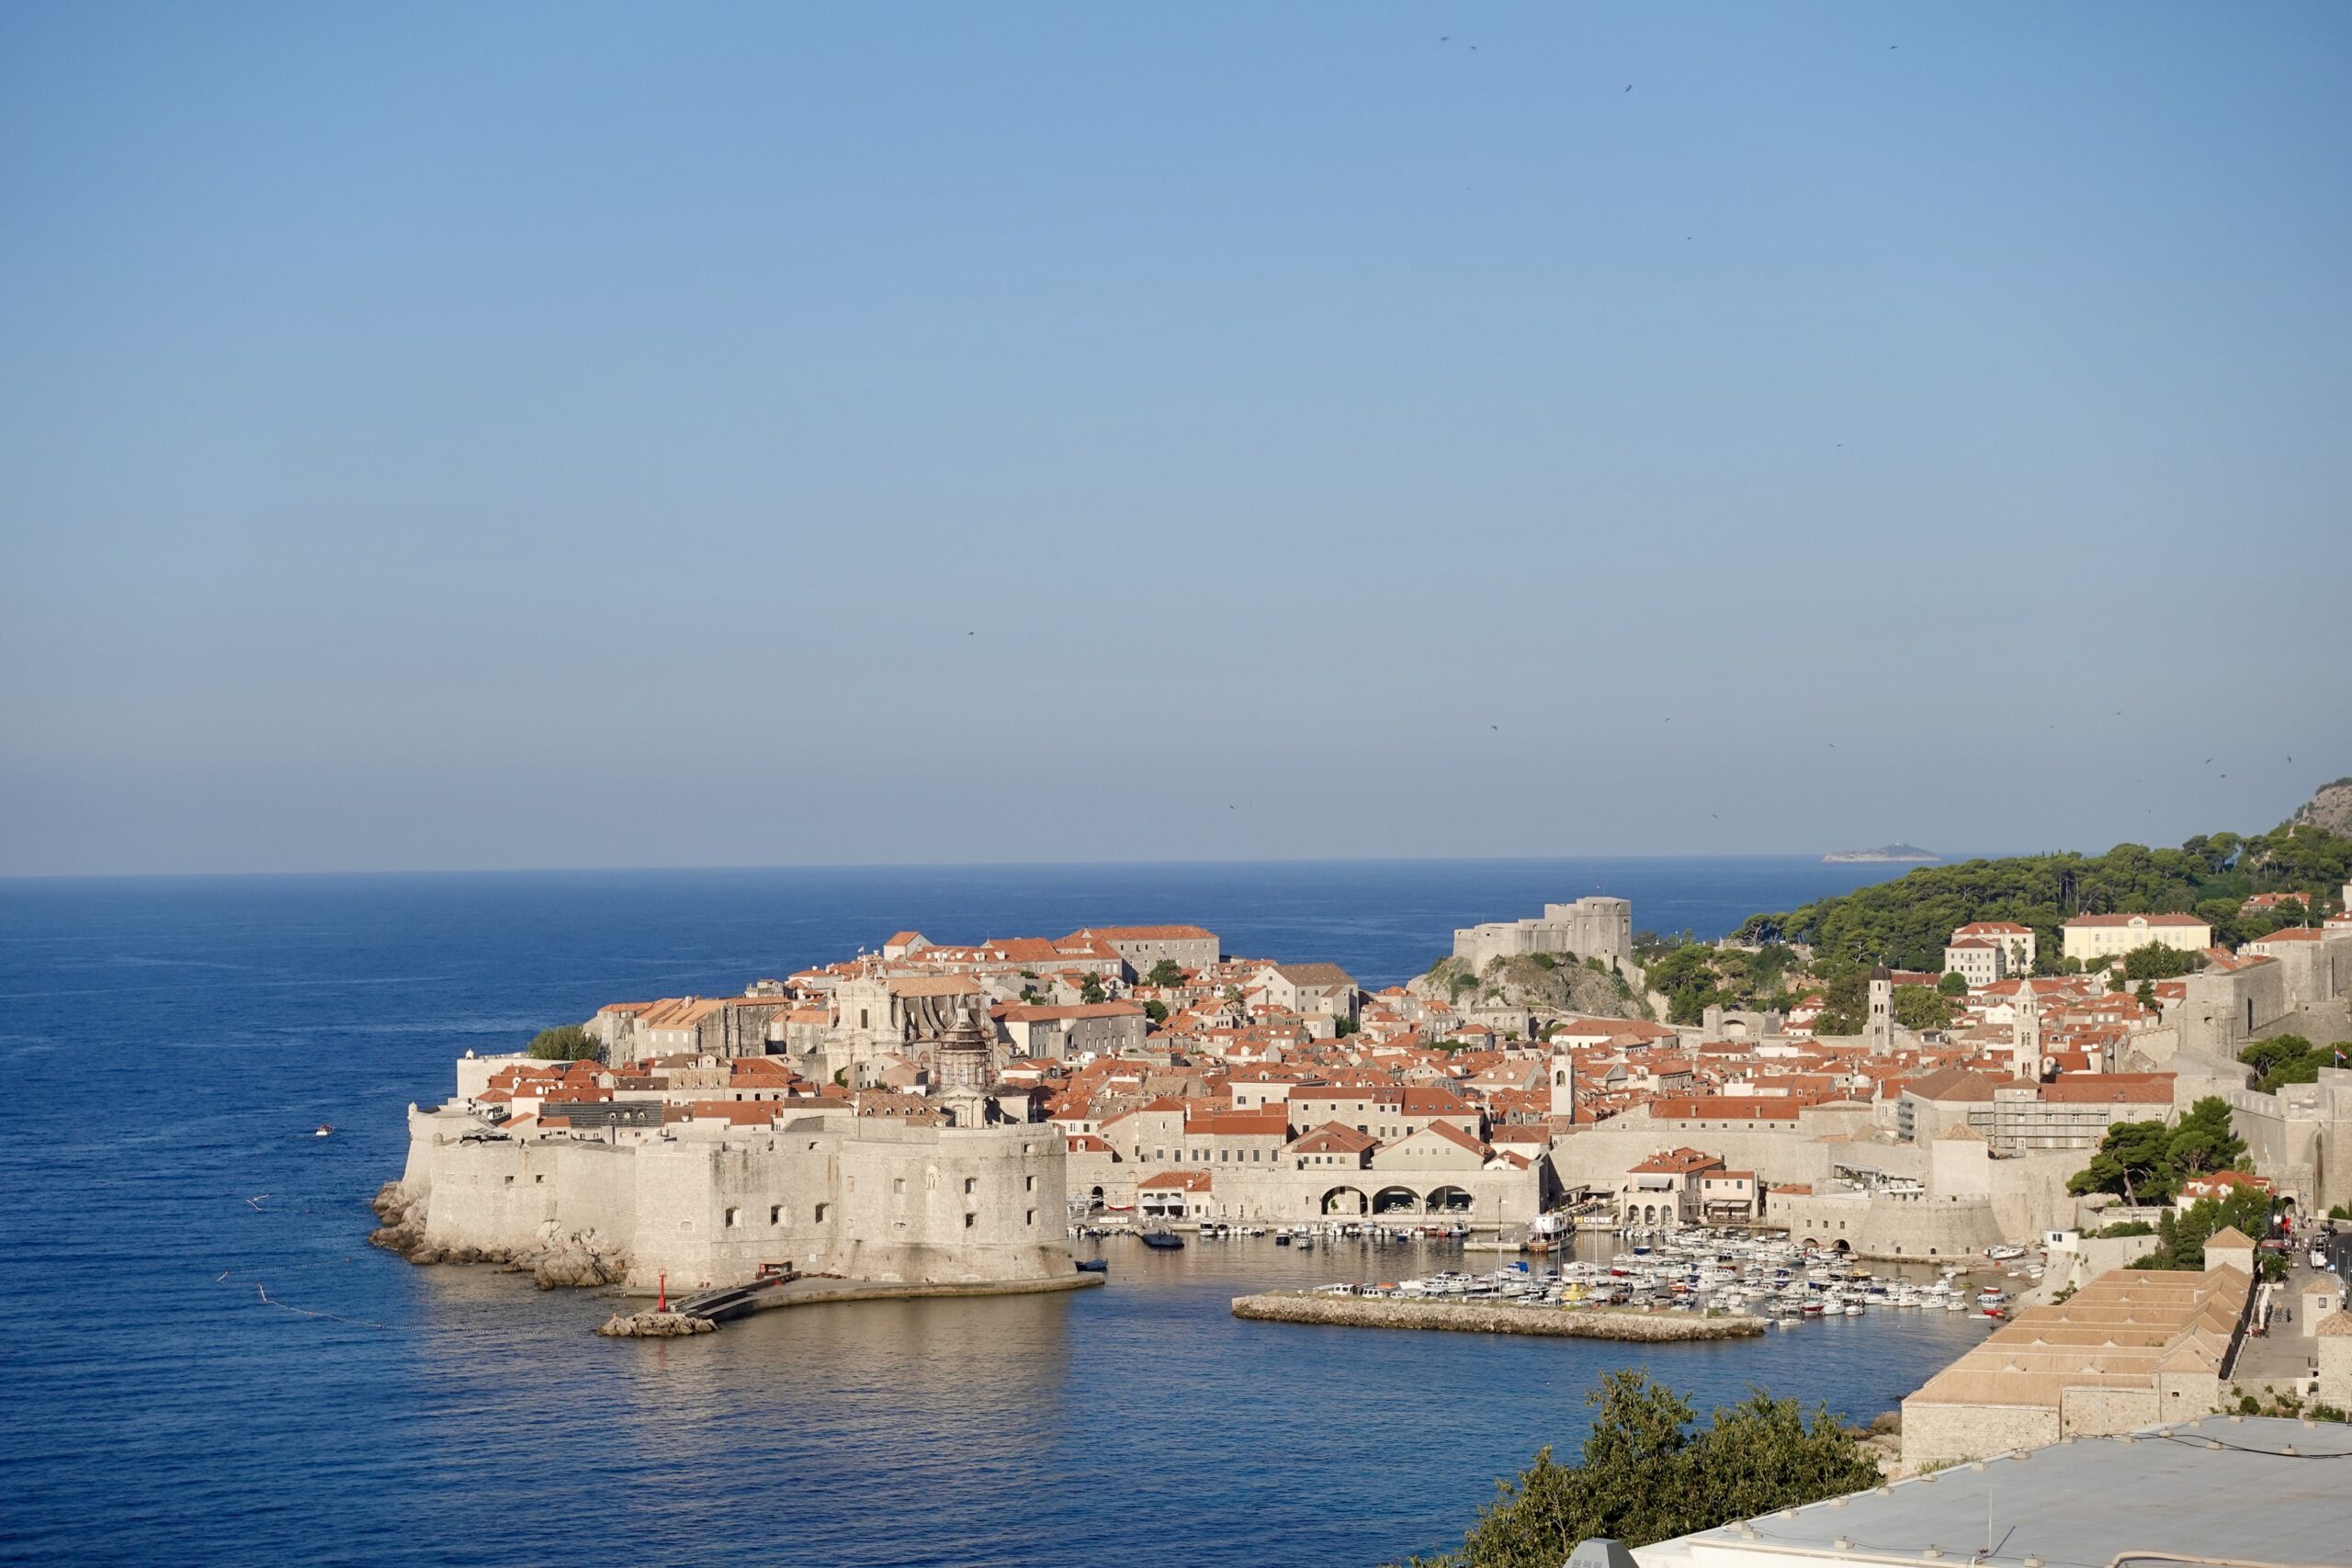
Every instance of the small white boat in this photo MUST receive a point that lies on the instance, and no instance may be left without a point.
(323, 1131)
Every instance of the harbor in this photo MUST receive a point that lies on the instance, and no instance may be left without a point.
(1707, 1275)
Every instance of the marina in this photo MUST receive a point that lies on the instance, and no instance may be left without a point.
(1711, 1274)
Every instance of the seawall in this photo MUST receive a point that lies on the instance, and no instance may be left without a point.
(1386, 1312)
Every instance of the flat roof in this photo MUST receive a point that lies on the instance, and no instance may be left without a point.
(2223, 1488)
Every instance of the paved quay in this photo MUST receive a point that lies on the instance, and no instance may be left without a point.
(1482, 1317)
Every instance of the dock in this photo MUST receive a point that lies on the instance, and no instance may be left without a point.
(1489, 1317)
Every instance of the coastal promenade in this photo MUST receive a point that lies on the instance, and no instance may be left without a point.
(1467, 1317)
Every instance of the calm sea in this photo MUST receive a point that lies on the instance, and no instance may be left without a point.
(170, 1045)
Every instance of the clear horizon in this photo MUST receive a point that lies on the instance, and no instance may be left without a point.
(577, 437)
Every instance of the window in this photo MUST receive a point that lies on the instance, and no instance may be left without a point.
(971, 1185)
(538, 1179)
(1031, 1217)
(823, 1210)
(510, 1181)
(1028, 1184)
(776, 1213)
(732, 1215)
(861, 1018)
(970, 1220)
(897, 1184)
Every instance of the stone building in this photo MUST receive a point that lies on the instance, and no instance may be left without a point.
(715, 1202)
(2130, 1349)
(2015, 942)
(1143, 946)
(2090, 937)
(1589, 928)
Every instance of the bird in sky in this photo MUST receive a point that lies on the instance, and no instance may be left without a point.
(2209, 762)
(1495, 726)
(1629, 87)
(1716, 815)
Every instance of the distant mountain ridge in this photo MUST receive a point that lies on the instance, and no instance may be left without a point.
(1885, 853)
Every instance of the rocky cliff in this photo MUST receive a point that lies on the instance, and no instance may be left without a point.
(1532, 983)
(2330, 808)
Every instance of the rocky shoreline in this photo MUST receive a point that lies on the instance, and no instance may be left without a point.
(578, 1261)
(1370, 1312)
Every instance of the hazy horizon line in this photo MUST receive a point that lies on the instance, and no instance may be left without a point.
(652, 869)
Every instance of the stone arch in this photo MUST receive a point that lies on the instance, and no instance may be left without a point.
(1842, 1248)
(1649, 1214)
(1632, 1213)
(1345, 1201)
(1396, 1201)
(1451, 1201)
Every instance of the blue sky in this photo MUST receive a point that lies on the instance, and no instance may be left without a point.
(589, 435)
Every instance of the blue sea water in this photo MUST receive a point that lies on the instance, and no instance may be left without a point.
(170, 1043)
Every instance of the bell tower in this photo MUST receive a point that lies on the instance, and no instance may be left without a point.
(963, 1067)
(2027, 1032)
(1879, 1030)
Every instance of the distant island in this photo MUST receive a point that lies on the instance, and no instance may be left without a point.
(1883, 854)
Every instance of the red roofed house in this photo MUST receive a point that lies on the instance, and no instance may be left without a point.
(1663, 1191)
(1174, 1194)
(2219, 1184)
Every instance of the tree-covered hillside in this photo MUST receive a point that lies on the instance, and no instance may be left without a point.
(1906, 922)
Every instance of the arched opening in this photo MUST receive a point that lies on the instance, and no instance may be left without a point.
(1345, 1201)
(1096, 1199)
(1396, 1201)
(1632, 1213)
(1450, 1200)
(1649, 1214)
(1842, 1248)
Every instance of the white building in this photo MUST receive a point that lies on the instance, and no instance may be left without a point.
(2094, 937)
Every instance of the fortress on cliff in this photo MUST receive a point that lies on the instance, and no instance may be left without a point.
(1589, 928)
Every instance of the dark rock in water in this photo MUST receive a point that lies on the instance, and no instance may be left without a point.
(581, 1261)
(655, 1325)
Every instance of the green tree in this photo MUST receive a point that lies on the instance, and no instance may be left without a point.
(2203, 1141)
(1954, 984)
(1907, 920)
(2284, 1059)
(1167, 972)
(1156, 1011)
(2181, 1236)
(1922, 1008)
(565, 1043)
(1846, 1000)
(2146, 1162)
(1645, 1476)
(2131, 1162)
(2158, 962)
(1090, 990)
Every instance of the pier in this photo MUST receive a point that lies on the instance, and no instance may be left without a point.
(1487, 1317)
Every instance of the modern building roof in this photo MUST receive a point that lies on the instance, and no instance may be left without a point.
(2220, 1489)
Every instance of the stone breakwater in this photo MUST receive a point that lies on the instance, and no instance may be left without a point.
(655, 1325)
(582, 1260)
(1478, 1317)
